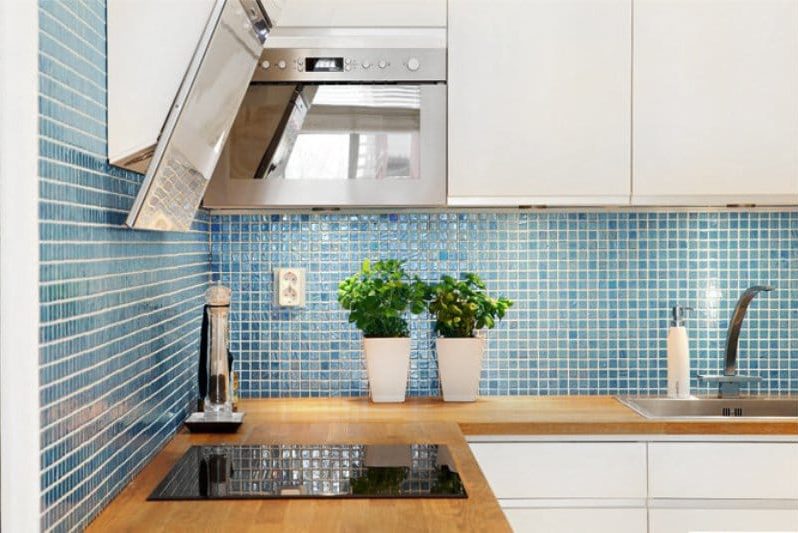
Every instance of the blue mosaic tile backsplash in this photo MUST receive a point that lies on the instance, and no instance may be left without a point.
(120, 310)
(593, 293)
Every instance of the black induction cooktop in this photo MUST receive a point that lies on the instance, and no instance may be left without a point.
(270, 471)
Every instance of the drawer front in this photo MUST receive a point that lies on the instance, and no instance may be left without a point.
(726, 520)
(723, 470)
(572, 520)
(563, 469)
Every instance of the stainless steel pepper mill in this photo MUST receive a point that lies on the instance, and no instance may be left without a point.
(218, 393)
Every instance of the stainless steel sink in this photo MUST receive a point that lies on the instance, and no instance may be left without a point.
(746, 407)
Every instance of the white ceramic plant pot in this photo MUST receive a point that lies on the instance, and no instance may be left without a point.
(460, 365)
(387, 364)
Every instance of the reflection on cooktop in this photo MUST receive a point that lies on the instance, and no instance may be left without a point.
(312, 471)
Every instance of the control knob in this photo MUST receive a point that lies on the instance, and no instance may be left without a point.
(366, 64)
(382, 64)
(413, 64)
(265, 64)
(281, 64)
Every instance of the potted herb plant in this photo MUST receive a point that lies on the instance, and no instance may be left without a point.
(461, 309)
(378, 299)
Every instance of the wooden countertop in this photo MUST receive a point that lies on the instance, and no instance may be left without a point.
(479, 512)
(515, 415)
(357, 421)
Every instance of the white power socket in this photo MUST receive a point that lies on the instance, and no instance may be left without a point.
(289, 285)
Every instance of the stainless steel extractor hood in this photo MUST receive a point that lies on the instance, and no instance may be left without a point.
(330, 125)
(200, 119)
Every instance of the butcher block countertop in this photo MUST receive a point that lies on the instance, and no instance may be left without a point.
(517, 415)
(479, 512)
(357, 421)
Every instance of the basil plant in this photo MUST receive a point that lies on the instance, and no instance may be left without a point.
(379, 297)
(462, 307)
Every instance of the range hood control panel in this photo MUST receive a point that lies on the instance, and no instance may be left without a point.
(336, 65)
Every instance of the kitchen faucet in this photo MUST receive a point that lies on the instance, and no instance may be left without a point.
(729, 382)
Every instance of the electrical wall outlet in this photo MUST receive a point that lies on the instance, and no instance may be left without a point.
(289, 285)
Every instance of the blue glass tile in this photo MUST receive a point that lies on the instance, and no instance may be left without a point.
(592, 303)
(120, 310)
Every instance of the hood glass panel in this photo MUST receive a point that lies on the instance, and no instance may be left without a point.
(327, 132)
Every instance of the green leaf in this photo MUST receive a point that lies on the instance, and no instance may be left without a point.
(462, 306)
(379, 297)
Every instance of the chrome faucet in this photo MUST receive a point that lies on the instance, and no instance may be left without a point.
(729, 383)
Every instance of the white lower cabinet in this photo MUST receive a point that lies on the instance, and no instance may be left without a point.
(723, 520)
(639, 484)
(567, 487)
(564, 469)
(576, 520)
(723, 470)
(723, 486)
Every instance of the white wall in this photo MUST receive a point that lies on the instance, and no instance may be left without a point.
(19, 266)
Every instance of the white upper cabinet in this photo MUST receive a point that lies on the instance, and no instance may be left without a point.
(145, 72)
(715, 102)
(539, 102)
(363, 13)
(150, 46)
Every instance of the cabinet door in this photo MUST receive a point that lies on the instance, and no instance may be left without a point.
(726, 520)
(575, 520)
(753, 470)
(715, 102)
(143, 81)
(539, 102)
(563, 469)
